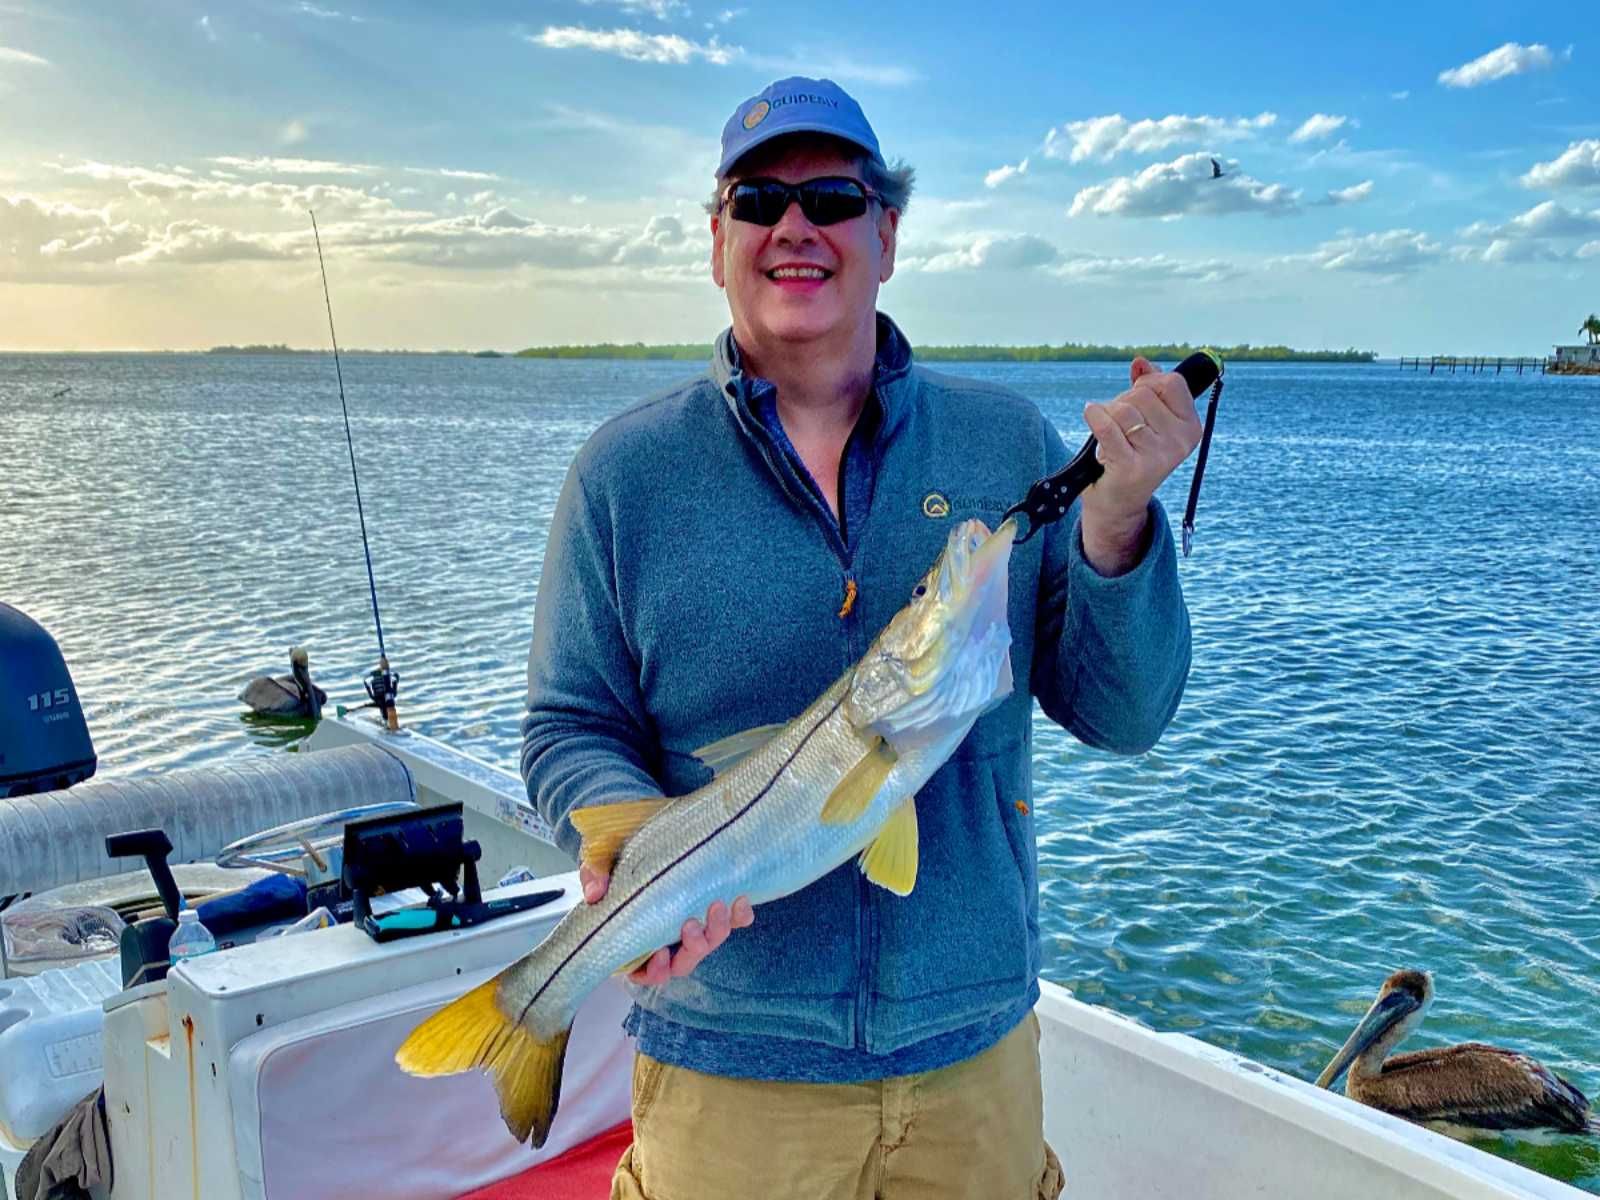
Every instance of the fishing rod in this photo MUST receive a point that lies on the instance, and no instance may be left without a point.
(1049, 498)
(383, 685)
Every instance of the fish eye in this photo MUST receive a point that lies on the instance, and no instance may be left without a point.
(919, 591)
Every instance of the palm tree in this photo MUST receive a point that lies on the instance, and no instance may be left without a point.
(1592, 328)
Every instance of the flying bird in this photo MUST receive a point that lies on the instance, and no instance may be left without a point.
(1216, 169)
(1466, 1090)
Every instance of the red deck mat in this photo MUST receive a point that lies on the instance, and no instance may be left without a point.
(582, 1173)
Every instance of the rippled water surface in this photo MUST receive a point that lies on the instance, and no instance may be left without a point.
(1387, 754)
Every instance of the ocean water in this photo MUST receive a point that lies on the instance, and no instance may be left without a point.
(1388, 754)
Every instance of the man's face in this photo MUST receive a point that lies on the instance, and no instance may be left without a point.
(855, 256)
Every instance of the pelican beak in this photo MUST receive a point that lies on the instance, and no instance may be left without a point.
(1387, 1011)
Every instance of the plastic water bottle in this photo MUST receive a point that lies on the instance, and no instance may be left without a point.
(317, 918)
(190, 939)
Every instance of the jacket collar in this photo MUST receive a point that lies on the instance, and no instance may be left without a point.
(891, 379)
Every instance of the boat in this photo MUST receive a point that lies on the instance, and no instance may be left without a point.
(265, 1070)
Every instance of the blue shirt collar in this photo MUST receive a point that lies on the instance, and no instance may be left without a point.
(891, 379)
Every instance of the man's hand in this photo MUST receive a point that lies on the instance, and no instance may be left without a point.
(697, 940)
(1144, 434)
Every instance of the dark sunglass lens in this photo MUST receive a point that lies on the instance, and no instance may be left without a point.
(823, 201)
(759, 203)
(744, 203)
(829, 201)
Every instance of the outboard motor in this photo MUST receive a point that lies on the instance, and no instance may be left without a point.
(44, 740)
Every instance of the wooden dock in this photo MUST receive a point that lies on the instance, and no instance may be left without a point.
(1477, 366)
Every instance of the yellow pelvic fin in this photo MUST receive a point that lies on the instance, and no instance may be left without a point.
(476, 1032)
(860, 784)
(604, 827)
(630, 967)
(891, 860)
(724, 752)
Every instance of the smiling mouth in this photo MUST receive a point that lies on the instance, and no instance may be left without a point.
(781, 273)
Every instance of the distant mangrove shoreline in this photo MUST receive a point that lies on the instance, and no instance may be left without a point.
(701, 352)
(1066, 352)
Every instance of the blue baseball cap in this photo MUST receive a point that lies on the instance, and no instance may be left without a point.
(796, 105)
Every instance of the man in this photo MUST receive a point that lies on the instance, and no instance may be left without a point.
(719, 555)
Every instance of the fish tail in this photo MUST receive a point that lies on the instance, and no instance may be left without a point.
(476, 1032)
(1592, 1121)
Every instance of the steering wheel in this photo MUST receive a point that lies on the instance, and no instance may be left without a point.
(309, 840)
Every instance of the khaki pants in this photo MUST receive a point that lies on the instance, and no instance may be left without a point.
(971, 1131)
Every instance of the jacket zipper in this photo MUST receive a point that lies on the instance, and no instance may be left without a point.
(866, 949)
(866, 931)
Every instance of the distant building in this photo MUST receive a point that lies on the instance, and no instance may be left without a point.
(1578, 355)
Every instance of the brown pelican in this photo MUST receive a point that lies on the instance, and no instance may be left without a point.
(292, 695)
(1466, 1090)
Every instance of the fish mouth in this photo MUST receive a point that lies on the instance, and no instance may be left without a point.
(974, 561)
(945, 659)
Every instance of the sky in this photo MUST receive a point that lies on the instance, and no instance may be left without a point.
(1410, 179)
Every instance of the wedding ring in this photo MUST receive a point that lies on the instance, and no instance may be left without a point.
(1135, 429)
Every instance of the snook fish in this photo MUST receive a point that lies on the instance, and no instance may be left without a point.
(789, 804)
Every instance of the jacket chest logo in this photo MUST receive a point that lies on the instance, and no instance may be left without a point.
(935, 506)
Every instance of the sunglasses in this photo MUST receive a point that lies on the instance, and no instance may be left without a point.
(824, 201)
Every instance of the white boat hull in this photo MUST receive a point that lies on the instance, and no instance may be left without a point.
(266, 1072)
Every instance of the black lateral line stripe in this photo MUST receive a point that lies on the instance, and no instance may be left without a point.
(728, 824)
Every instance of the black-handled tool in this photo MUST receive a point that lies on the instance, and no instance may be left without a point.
(153, 846)
(1049, 498)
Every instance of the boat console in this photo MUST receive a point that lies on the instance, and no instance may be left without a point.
(266, 1069)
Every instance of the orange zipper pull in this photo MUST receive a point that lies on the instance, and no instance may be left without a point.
(849, 598)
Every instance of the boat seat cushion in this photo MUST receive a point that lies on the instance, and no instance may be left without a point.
(318, 1100)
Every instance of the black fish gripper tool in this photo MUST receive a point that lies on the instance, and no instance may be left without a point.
(1049, 498)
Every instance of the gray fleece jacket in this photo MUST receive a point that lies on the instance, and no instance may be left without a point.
(692, 587)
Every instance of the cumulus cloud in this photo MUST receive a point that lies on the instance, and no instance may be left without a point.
(1004, 172)
(205, 27)
(44, 239)
(293, 133)
(502, 239)
(1354, 194)
(1318, 126)
(1509, 250)
(1393, 253)
(38, 237)
(448, 173)
(1578, 166)
(1103, 138)
(1513, 58)
(8, 55)
(195, 242)
(1542, 221)
(661, 10)
(292, 166)
(1181, 187)
(635, 45)
(1589, 250)
(984, 252)
(157, 185)
(27, 225)
(1157, 268)
(325, 14)
(1403, 95)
